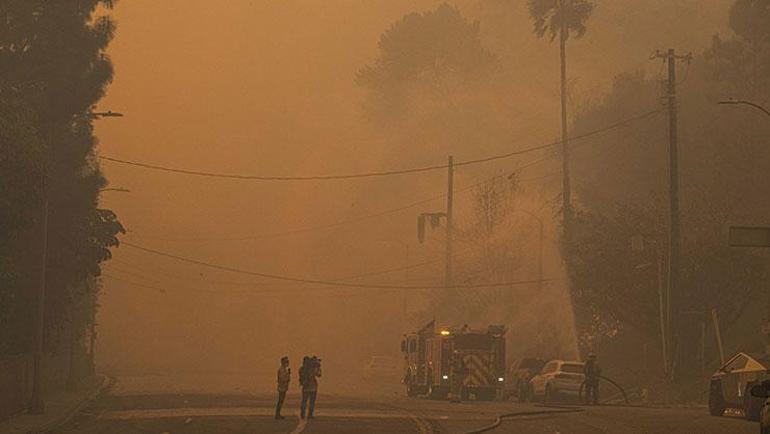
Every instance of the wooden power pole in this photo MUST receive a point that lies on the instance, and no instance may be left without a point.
(449, 226)
(36, 404)
(670, 57)
(565, 169)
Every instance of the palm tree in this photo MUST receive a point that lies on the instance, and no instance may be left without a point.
(562, 18)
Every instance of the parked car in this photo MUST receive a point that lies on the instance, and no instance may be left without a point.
(762, 392)
(383, 369)
(558, 380)
(518, 376)
(731, 385)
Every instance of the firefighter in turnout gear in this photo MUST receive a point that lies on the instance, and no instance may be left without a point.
(592, 373)
(284, 378)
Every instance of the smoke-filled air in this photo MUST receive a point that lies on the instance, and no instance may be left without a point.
(385, 216)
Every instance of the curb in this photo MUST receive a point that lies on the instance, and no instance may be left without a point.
(105, 383)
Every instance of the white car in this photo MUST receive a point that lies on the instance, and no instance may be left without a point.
(558, 380)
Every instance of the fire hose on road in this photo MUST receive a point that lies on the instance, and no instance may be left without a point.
(601, 377)
(558, 410)
(499, 420)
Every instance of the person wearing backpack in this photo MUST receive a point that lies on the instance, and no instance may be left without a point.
(309, 374)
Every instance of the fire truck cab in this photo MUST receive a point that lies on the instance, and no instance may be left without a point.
(431, 355)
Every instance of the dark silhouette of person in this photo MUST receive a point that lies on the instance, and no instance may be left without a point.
(310, 372)
(284, 378)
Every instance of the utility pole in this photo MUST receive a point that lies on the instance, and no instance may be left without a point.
(404, 294)
(664, 310)
(747, 236)
(566, 185)
(449, 227)
(434, 219)
(540, 242)
(71, 384)
(92, 343)
(673, 169)
(36, 404)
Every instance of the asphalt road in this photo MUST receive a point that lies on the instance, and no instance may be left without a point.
(142, 412)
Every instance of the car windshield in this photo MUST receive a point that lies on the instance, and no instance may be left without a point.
(572, 368)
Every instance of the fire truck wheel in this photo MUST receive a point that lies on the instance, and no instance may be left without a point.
(464, 394)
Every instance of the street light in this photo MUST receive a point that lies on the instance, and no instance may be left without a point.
(36, 403)
(744, 102)
(107, 114)
(739, 236)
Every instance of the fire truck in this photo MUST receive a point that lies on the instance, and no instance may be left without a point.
(430, 355)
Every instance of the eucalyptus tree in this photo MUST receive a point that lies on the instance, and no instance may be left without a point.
(53, 62)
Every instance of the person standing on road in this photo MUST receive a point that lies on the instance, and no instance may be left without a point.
(310, 374)
(592, 373)
(302, 368)
(284, 378)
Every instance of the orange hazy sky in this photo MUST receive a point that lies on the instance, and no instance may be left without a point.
(266, 87)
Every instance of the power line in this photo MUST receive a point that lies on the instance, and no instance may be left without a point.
(375, 173)
(153, 276)
(309, 228)
(343, 222)
(398, 209)
(574, 138)
(392, 270)
(137, 284)
(323, 282)
(265, 293)
(141, 273)
(164, 291)
(335, 224)
(272, 178)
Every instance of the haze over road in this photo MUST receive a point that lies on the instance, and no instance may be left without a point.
(133, 408)
(508, 203)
